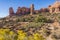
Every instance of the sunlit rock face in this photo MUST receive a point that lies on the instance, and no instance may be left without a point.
(55, 8)
(31, 9)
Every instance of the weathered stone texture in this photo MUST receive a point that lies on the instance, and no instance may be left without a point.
(22, 11)
(11, 11)
(31, 9)
(19, 11)
(55, 8)
(44, 10)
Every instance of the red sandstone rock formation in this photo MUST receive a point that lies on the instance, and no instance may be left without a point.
(27, 10)
(19, 11)
(55, 8)
(44, 10)
(23, 10)
(11, 11)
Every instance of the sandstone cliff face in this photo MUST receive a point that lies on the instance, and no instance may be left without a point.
(55, 8)
(22, 10)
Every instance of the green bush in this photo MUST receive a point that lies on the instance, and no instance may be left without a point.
(40, 19)
(34, 24)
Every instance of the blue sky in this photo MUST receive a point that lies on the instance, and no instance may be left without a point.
(5, 4)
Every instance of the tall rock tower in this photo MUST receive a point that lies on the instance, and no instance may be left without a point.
(18, 11)
(31, 9)
(11, 11)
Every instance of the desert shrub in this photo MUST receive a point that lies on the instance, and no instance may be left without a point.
(38, 36)
(34, 24)
(59, 17)
(43, 19)
(20, 19)
(35, 36)
(27, 19)
(49, 20)
(21, 35)
(40, 19)
(6, 34)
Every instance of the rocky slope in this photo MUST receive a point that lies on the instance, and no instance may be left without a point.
(45, 23)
